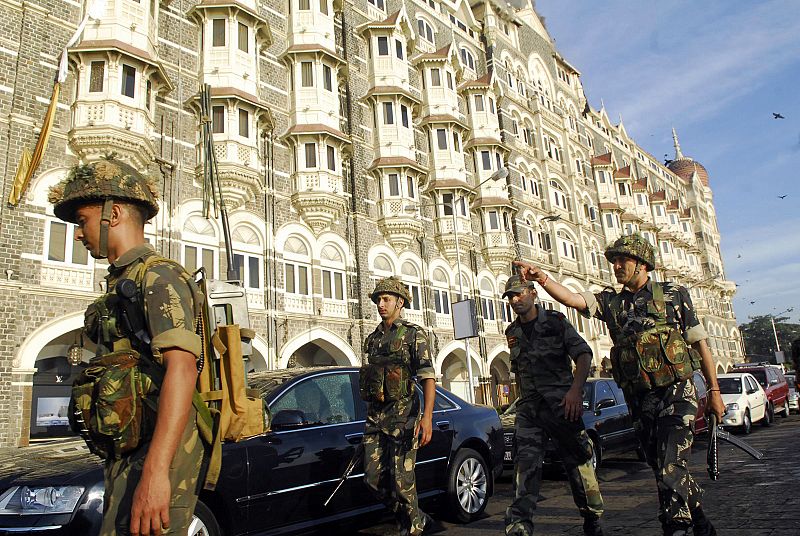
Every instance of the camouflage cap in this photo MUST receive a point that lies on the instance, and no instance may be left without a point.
(391, 285)
(634, 246)
(516, 285)
(105, 179)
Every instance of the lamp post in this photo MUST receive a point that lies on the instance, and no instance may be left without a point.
(500, 174)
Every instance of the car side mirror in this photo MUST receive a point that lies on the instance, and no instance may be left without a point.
(288, 419)
(604, 403)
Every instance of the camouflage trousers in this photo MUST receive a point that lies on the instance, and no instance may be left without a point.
(389, 473)
(122, 477)
(536, 421)
(662, 419)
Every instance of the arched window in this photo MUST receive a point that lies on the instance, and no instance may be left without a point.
(333, 273)
(297, 267)
(559, 197)
(567, 245)
(487, 299)
(248, 256)
(425, 30)
(529, 225)
(441, 292)
(467, 58)
(200, 246)
(412, 280)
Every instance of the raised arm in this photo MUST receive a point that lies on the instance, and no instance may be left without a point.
(559, 292)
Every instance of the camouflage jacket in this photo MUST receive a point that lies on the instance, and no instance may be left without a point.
(635, 316)
(395, 417)
(542, 363)
(171, 304)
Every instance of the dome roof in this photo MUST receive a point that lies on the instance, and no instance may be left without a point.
(684, 167)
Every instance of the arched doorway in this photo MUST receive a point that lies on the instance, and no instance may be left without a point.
(318, 347)
(455, 376)
(501, 387)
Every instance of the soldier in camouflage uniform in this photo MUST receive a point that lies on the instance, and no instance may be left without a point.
(658, 342)
(151, 485)
(393, 354)
(550, 403)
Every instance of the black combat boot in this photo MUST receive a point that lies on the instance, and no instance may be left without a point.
(701, 526)
(591, 526)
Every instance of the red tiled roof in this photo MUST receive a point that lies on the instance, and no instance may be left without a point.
(623, 173)
(391, 90)
(483, 81)
(639, 186)
(658, 196)
(673, 205)
(394, 161)
(316, 128)
(440, 54)
(602, 160)
(609, 206)
(482, 141)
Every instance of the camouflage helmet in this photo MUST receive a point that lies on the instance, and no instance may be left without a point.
(634, 246)
(516, 285)
(99, 181)
(391, 285)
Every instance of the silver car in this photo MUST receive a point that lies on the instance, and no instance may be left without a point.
(794, 403)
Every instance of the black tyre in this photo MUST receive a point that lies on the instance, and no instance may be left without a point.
(769, 415)
(467, 486)
(597, 451)
(203, 522)
(785, 409)
(747, 424)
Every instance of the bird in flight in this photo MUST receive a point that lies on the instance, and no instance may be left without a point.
(552, 218)
(777, 116)
(752, 302)
(739, 256)
(782, 196)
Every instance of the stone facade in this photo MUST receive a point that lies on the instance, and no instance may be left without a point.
(354, 140)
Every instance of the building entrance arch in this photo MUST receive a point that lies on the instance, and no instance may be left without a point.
(317, 347)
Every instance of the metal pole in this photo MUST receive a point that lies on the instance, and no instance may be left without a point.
(775, 332)
(471, 390)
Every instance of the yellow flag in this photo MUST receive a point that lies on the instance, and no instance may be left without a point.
(29, 163)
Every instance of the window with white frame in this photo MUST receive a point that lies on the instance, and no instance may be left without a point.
(247, 256)
(467, 58)
(559, 198)
(493, 220)
(567, 245)
(441, 293)
(383, 45)
(296, 267)
(333, 273)
(545, 243)
(412, 281)
(62, 247)
(200, 246)
(478, 103)
(487, 299)
(530, 227)
(425, 30)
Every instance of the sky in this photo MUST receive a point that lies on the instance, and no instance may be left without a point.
(715, 71)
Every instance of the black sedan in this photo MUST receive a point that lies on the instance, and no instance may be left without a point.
(605, 417)
(274, 483)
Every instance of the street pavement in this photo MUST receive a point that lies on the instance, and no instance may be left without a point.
(750, 498)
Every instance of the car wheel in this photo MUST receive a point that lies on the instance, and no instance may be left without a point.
(747, 424)
(769, 415)
(467, 486)
(203, 522)
(785, 410)
(597, 451)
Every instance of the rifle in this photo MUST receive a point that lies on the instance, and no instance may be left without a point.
(716, 433)
(349, 469)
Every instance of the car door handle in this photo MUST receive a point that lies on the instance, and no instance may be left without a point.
(443, 425)
(354, 439)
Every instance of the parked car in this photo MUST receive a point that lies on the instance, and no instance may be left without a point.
(794, 398)
(276, 483)
(775, 385)
(744, 398)
(605, 417)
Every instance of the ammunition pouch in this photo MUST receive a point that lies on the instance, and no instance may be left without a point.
(655, 358)
(113, 404)
(384, 382)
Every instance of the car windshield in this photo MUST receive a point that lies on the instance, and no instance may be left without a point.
(761, 376)
(730, 386)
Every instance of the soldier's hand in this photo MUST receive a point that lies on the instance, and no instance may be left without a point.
(716, 405)
(150, 508)
(573, 404)
(425, 430)
(530, 272)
